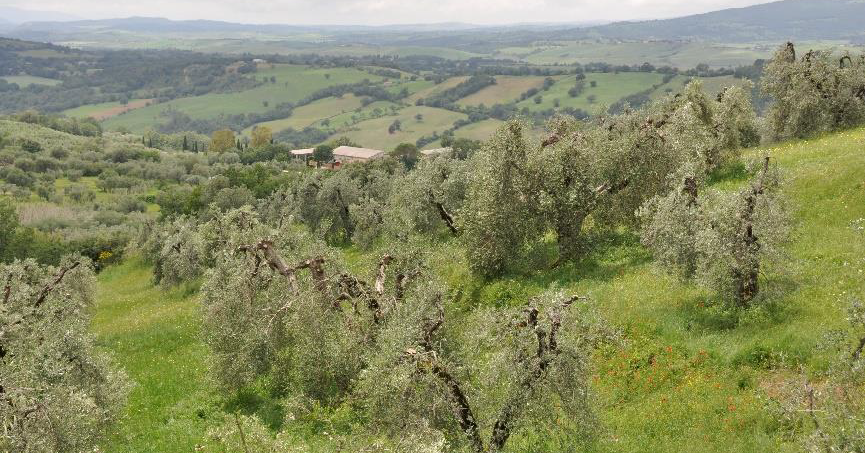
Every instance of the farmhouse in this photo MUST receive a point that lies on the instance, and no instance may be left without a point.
(436, 152)
(297, 153)
(346, 154)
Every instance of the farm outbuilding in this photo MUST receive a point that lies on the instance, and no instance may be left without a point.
(346, 154)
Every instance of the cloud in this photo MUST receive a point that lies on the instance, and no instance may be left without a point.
(378, 12)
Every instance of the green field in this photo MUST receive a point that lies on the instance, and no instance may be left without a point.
(610, 88)
(435, 89)
(506, 89)
(374, 133)
(293, 83)
(27, 80)
(375, 110)
(482, 130)
(313, 113)
(86, 110)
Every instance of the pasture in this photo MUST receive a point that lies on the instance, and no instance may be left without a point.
(310, 114)
(374, 133)
(27, 80)
(610, 87)
(506, 89)
(291, 84)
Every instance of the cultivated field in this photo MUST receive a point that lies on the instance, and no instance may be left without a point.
(292, 83)
(311, 114)
(610, 87)
(27, 80)
(106, 110)
(507, 88)
(374, 133)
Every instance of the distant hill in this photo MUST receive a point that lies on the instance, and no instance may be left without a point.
(797, 20)
(781, 20)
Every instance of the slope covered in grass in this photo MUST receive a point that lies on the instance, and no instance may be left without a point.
(689, 374)
(292, 83)
(154, 336)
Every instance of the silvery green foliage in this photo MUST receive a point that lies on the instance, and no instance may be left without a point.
(816, 93)
(244, 433)
(57, 391)
(736, 120)
(174, 247)
(721, 238)
(277, 301)
(671, 224)
(604, 170)
(324, 205)
(334, 205)
(368, 218)
(483, 377)
(182, 255)
(427, 198)
(497, 216)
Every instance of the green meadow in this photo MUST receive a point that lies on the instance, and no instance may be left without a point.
(26, 80)
(374, 133)
(292, 83)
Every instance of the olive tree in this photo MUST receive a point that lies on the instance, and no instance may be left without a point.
(487, 376)
(721, 238)
(58, 392)
(429, 197)
(498, 216)
(815, 93)
(281, 305)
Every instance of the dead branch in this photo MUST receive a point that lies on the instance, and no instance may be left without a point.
(381, 276)
(7, 290)
(444, 214)
(50, 286)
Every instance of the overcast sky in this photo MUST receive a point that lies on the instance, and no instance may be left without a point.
(379, 12)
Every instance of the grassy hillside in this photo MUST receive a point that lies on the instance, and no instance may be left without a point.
(507, 88)
(292, 84)
(374, 133)
(689, 376)
(153, 335)
(610, 87)
(313, 113)
(26, 80)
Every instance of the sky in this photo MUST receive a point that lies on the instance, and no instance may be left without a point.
(382, 12)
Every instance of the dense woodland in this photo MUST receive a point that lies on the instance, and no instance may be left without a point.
(332, 291)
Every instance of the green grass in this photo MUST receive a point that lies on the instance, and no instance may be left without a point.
(311, 114)
(610, 88)
(154, 335)
(506, 89)
(688, 376)
(92, 110)
(88, 110)
(693, 376)
(374, 133)
(293, 83)
(27, 80)
(437, 88)
(374, 110)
